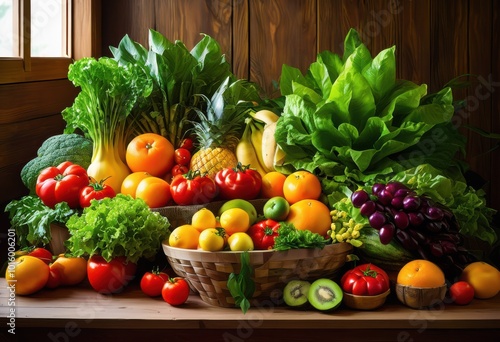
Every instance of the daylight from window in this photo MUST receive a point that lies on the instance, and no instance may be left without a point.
(47, 32)
(48, 28)
(8, 47)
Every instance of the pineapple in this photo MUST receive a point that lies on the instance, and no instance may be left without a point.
(219, 128)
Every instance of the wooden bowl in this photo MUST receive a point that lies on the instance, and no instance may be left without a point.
(420, 297)
(365, 302)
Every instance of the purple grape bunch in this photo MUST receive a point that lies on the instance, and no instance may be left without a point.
(418, 223)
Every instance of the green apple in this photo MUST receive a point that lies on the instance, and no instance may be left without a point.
(242, 204)
(276, 208)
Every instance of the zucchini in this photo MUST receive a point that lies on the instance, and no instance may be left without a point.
(390, 257)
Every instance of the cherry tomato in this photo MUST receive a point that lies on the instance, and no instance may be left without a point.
(461, 292)
(179, 170)
(175, 291)
(61, 184)
(187, 143)
(95, 191)
(182, 156)
(152, 282)
(365, 280)
(109, 277)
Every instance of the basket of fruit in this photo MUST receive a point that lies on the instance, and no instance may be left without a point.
(208, 272)
(193, 251)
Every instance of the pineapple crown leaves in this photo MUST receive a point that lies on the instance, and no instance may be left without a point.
(222, 121)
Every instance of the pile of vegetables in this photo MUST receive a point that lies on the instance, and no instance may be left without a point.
(177, 75)
(350, 121)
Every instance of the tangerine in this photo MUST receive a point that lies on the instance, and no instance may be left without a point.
(272, 184)
(301, 185)
(310, 214)
(421, 273)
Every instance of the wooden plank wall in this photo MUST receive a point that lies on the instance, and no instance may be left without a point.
(436, 40)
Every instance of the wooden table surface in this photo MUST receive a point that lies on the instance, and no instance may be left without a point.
(79, 313)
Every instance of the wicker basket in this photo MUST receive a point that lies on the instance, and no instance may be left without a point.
(208, 272)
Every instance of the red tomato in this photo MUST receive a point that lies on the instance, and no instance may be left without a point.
(152, 282)
(179, 170)
(239, 182)
(41, 253)
(182, 156)
(193, 188)
(109, 277)
(263, 233)
(97, 191)
(461, 292)
(61, 184)
(175, 291)
(187, 143)
(55, 278)
(365, 280)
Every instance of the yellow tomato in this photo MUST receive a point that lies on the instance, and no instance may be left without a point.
(240, 242)
(27, 275)
(72, 270)
(212, 239)
(483, 277)
(185, 236)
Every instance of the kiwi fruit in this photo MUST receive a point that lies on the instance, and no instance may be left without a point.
(295, 293)
(325, 294)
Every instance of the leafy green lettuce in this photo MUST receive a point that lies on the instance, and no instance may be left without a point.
(119, 226)
(351, 115)
(350, 121)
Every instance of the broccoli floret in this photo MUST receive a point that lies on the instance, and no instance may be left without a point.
(55, 150)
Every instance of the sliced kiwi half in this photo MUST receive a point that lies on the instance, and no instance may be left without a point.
(295, 293)
(325, 294)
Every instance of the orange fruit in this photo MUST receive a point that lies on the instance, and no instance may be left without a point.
(154, 191)
(185, 236)
(310, 214)
(272, 184)
(151, 153)
(483, 277)
(234, 220)
(421, 273)
(73, 270)
(130, 183)
(301, 185)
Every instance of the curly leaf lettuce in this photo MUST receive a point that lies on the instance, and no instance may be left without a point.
(119, 226)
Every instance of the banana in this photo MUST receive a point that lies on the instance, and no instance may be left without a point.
(269, 146)
(279, 156)
(245, 151)
(266, 116)
(256, 137)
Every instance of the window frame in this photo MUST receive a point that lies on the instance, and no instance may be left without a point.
(84, 21)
